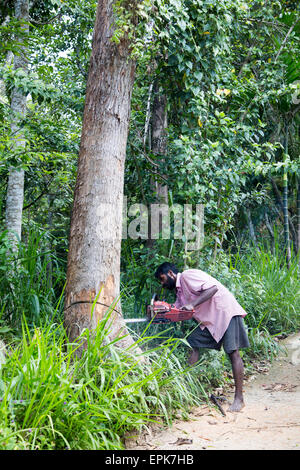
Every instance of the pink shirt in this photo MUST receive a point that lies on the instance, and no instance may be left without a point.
(214, 314)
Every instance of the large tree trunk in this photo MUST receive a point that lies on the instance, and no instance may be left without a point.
(96, 222)
(15, 187)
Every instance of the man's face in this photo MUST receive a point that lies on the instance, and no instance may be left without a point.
(168, 281)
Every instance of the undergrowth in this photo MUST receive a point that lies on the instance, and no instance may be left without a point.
(50, 398)
(53, 399)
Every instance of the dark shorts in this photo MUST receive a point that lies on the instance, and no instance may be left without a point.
(235, 337)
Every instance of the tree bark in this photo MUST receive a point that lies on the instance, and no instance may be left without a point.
(96, 222)
(298, 217)
(269, 227)
(280, 203)
(159, 123)
(159, 136)
(285, 207)
(250, 225)
(15, 186)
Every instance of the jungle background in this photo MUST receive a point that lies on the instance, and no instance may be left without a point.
(214, 121)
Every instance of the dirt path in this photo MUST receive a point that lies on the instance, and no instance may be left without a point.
(270, 419)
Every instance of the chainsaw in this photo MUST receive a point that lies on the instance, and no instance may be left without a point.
(160, 311)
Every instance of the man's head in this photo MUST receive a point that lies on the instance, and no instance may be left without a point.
(166, 274)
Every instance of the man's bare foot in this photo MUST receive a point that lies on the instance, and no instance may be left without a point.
(194, 357)
(237, 405)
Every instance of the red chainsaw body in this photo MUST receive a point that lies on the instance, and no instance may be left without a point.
(160, 311)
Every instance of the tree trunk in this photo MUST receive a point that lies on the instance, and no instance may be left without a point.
(49, 268)
(285, 208)
(96, 222)
(159, 123)
(15, 186)
(269, 227)
(250, 225)
(159, 136)
(298, 218)
(280, 203)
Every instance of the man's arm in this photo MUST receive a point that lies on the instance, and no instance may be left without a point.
(202, 297)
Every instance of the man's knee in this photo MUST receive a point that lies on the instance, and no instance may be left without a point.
(234, 355)
(194, 356)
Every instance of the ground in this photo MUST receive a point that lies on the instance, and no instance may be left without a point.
(269, 421)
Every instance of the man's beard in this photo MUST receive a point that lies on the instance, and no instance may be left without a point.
(170, 283)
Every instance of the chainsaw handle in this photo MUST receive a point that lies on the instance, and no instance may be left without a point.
(154, 298)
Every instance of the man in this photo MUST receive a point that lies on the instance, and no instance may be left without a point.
(218, 313)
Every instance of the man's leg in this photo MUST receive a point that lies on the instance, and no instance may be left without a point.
(194, 357)
(238, 375)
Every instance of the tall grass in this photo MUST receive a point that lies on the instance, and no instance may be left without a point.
(25, 280)
(51, 399)
(269, 290)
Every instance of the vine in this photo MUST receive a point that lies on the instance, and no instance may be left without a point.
(132, 21)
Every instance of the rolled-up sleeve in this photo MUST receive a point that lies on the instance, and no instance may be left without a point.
(193, 284)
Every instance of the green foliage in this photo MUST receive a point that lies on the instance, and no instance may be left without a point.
(229, 70)
(270, 291)
(262, 345)
(224, 72)
(131, 21)
(51, 399)
(27, 286)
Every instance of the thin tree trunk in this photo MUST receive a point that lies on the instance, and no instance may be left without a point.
(159, 136)
(158, 145)
(269, 227)
(15, 186)
(251, 227)
(280, 202)
(285, 207)
(298, 218)
(148, 116)
(96, 222)
(49, 268)
(159, 122)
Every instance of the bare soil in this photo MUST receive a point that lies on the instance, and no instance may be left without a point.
(269, 421)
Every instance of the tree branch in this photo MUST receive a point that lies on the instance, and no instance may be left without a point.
(285, 39)
(83, 72)
(47, 22)
(35, 200)
(271, 23)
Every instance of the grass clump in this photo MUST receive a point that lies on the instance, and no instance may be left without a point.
(27, 284)
(53, 399)
(270, 290)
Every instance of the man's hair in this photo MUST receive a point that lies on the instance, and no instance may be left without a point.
(164, 268)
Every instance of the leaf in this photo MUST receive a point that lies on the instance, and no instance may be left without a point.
(35, 305)
(182, 24)
(198, 75)
(5, 329)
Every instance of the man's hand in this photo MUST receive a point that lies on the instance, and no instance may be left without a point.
(187, 307)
